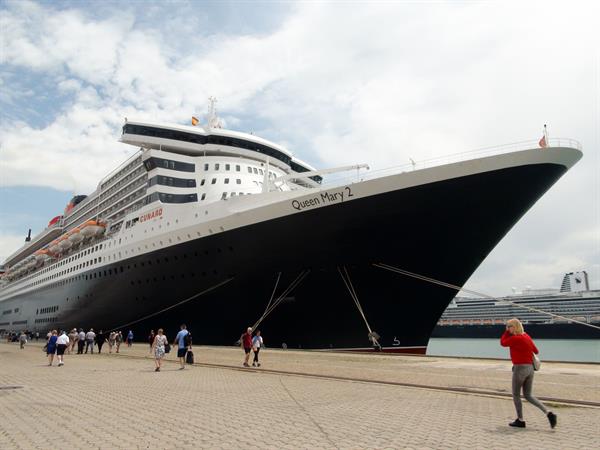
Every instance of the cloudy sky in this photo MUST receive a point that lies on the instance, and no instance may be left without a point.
(337, 83)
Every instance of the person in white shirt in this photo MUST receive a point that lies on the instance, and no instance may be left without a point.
(62, 342)
(89, 340)
(257, 342)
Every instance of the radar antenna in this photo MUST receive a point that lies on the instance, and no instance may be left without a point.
(212, 121)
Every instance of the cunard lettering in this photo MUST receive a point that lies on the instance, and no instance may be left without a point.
(151, 215)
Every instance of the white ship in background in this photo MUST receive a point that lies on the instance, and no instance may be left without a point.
(486, 318)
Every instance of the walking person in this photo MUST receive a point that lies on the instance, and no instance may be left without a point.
(23, 339)
(246, 343)
(151, 337)
(37, 336)
(257, 342)
(51, 346)
(112, 339)
(80, 341)
(90, 337)
(129, 338)
(182, 345)
(73, 338)
(118, 340)
(522, 349)
(62, 342)
(100, 338)
(160, 340)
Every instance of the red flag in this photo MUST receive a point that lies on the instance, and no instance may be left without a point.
(542, 142)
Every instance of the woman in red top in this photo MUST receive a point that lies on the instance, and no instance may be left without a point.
(522, 349)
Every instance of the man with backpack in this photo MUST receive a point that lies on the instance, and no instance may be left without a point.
(182, 340)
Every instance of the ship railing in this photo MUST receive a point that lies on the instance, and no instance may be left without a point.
(452, 158)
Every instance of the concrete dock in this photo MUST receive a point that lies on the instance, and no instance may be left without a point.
(295, 400)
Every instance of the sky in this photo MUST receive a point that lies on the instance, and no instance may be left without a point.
(337, 83)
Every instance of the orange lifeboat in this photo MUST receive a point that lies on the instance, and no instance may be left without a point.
(74, 236)
(53, 246)
(92, 228)
(64, 243)
(41, 256)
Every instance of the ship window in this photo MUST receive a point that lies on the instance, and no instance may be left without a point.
(177, 198)
(205, 166)
(249, 169)
(171, 181)
(224, 196)
(203, 196)
(261, 171)
(255, 170)
(217, 166)
(237, 167)
(226, 180)
(202, 182)
(238, 181)
(153, 162)
(214, 180)
(227, 167)
(233, 194)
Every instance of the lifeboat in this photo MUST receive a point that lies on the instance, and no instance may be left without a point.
(41, 256)
(64, 243)
(92, 228)
(74, 236)
(53, 247)
(30, 263)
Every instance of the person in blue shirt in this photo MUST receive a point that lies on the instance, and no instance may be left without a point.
(129, 338)
(51, 346)
(182, 345)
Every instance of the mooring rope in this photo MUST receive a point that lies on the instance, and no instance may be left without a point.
(174, 305)
(278, 300)
(348, 282)
(274, 290)
(458, 288)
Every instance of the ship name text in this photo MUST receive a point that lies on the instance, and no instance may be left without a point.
(151, 215)
(323, 199)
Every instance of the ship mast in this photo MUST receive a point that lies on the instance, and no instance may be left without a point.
(212, 120)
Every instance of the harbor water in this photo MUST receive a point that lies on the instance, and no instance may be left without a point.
(574, 350)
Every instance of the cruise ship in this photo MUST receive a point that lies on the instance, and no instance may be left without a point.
(222, 230)
(571, 312)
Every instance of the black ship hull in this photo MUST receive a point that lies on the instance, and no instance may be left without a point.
(443, 230)
(535, 330)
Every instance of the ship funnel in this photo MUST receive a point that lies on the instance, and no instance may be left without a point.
(28, 238)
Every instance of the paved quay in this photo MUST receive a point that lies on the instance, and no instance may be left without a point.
(118, 401)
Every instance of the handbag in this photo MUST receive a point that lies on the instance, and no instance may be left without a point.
(167, 347)
(189, 357)
(536, 362)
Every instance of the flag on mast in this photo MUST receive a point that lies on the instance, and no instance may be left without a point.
(195, 121)
(543, 143)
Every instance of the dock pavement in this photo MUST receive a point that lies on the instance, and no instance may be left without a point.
(295, 400)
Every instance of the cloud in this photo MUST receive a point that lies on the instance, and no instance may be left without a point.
(9, 244)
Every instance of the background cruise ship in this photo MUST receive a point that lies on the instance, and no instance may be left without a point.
(223, 229)
(486, 318)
